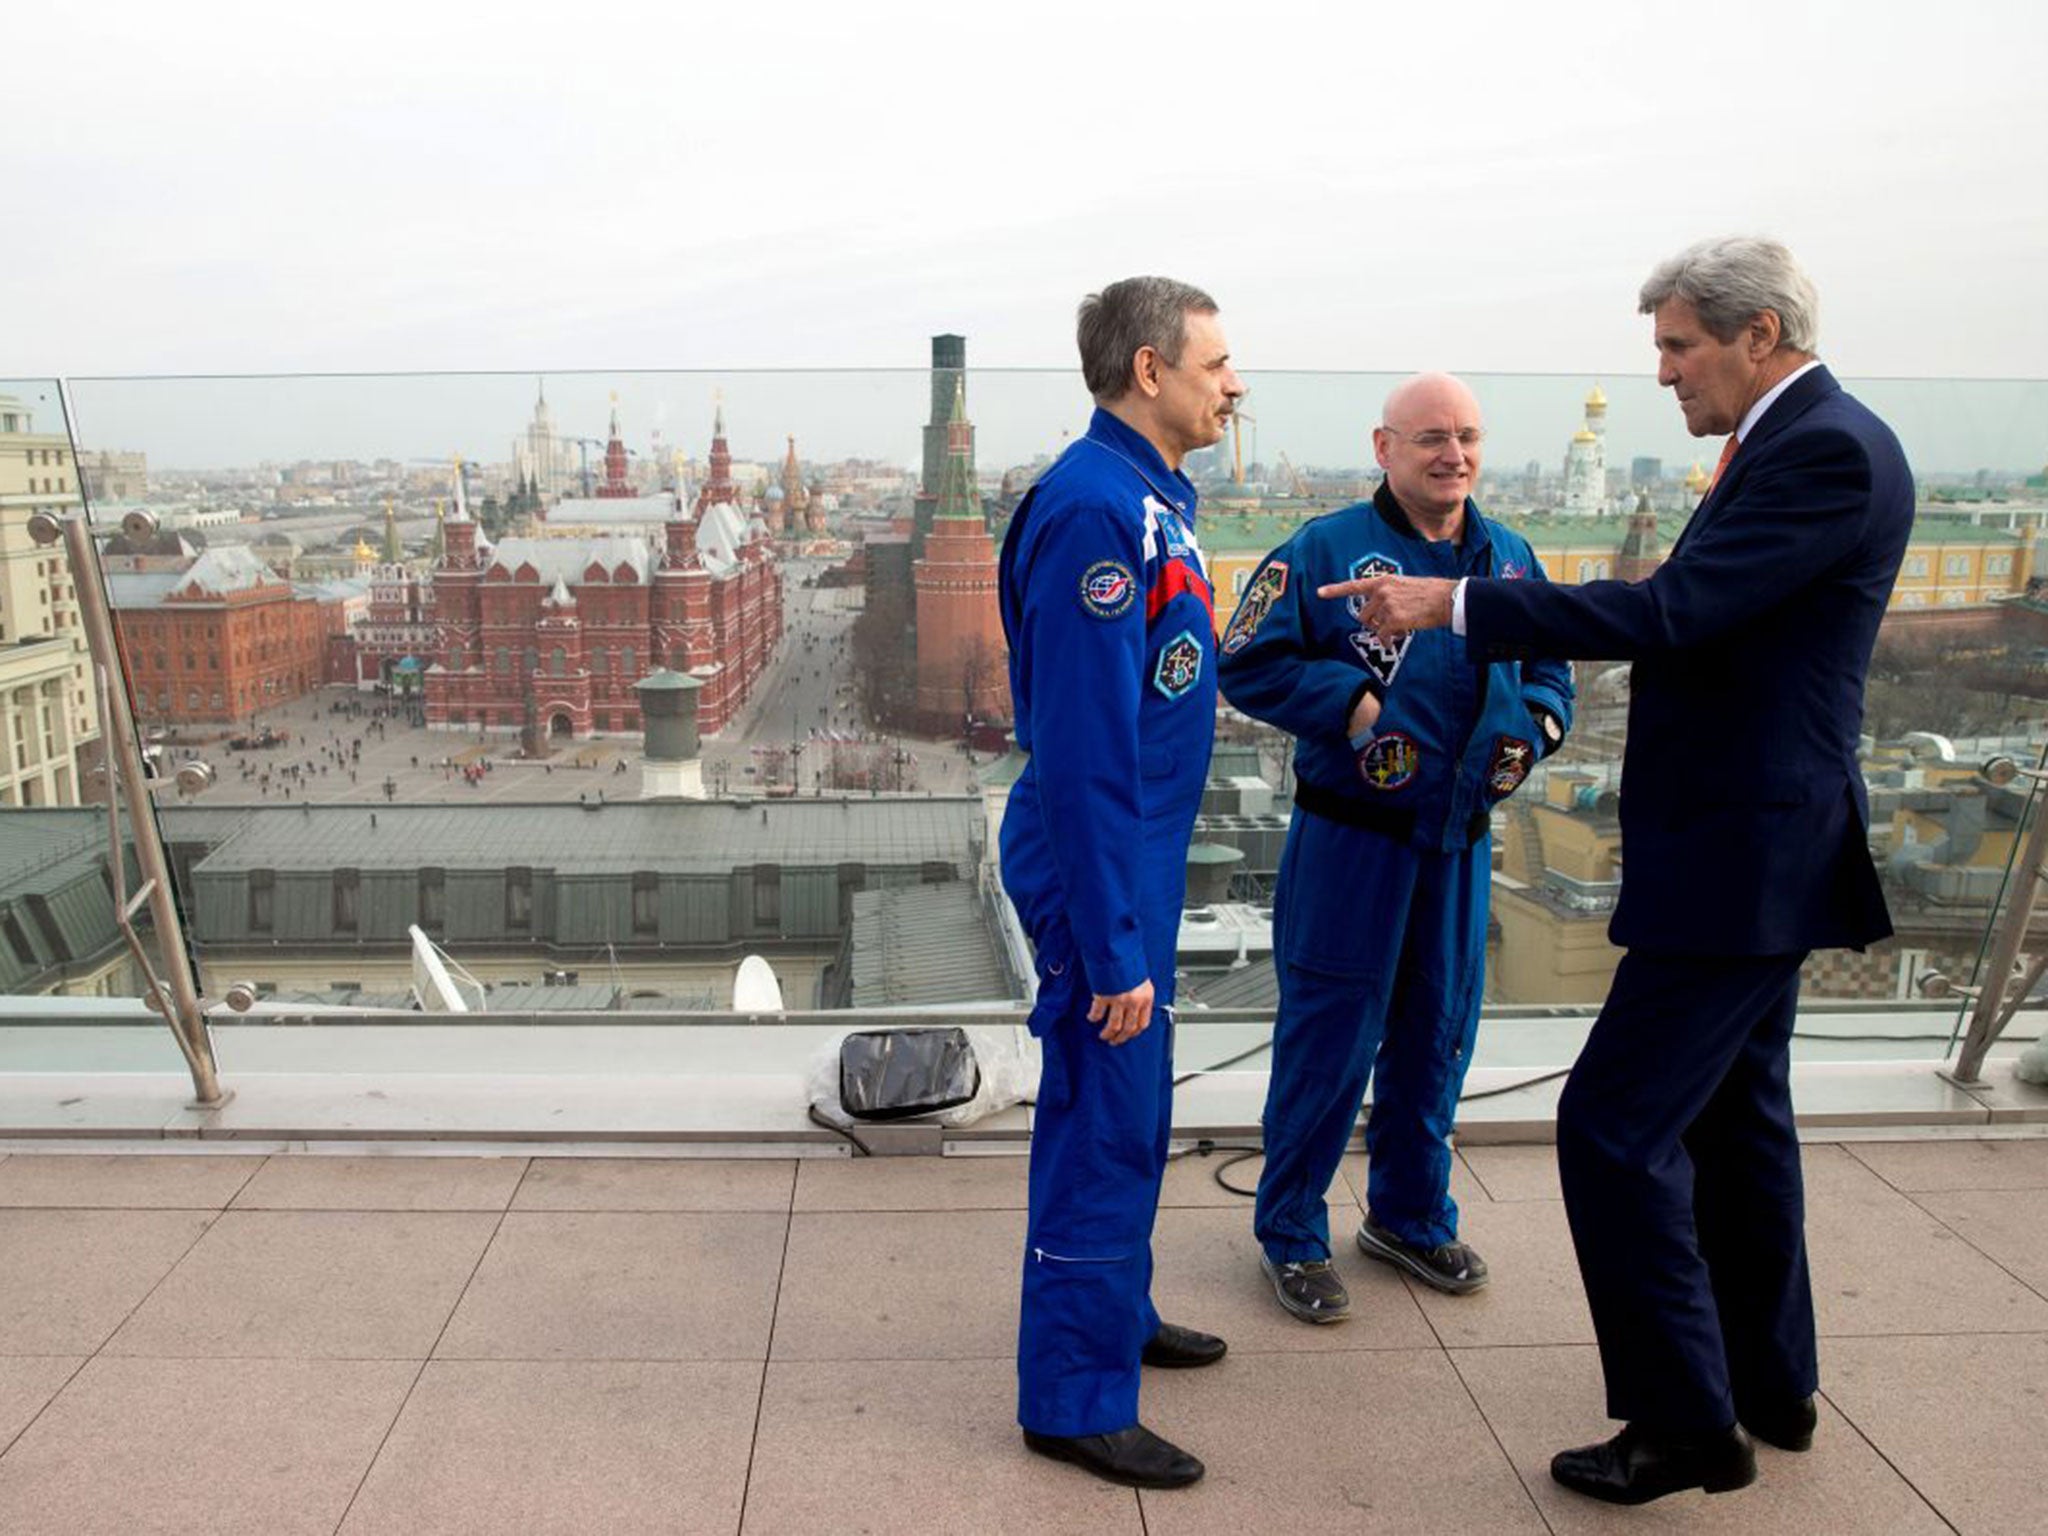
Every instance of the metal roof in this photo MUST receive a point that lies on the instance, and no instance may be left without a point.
(1255, 985)
(202, 823)
(614, 511)
(45, 847)
(215, 574)
(612, 837)
(923, 944)
(54, 899)
(567, 559)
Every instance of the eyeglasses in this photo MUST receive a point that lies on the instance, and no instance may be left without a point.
(1467, 438)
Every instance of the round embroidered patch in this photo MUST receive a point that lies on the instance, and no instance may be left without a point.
(1108, 588)
(1389, 761)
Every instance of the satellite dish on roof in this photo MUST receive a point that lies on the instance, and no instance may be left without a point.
(438, 982)
(755, 989)
(1926, 746)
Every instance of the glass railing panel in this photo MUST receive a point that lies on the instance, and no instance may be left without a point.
(423, 732)
(58, 934)
(403, 618)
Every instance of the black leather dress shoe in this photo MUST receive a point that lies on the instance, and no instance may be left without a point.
(1638, 1465)
(1788, 1426)
(1175, 1348)
(1134, 1457)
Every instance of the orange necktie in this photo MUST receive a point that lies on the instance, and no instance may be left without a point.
(1727, 452)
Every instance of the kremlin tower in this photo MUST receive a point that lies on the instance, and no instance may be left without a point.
(962, 665)
(1642, 551)
(615, 487)
(948, 379)
(718, 482)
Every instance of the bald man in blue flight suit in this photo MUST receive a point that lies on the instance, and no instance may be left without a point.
(1110, 619)
(1379, 919)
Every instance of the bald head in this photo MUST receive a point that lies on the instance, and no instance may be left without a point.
(1425, 393)
(1428, 443)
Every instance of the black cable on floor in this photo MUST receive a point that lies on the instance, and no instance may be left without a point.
(862, 1149)
(1241, 1153)
(1228, 1061)
(1494, 1093)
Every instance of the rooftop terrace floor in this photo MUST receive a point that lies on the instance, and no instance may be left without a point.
(234, 1337)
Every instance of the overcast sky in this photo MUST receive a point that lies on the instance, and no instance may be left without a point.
(207, 187)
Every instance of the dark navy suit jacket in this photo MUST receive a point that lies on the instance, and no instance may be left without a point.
(1743, 812)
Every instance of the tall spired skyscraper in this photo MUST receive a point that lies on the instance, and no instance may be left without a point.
(962, 666)
(538, 455)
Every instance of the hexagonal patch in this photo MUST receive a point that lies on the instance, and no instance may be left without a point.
(1179, 666)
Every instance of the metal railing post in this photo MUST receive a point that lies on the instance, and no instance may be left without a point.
(2000, 991)
(176, 996)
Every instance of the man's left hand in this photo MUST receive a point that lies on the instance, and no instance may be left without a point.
(1398, 605)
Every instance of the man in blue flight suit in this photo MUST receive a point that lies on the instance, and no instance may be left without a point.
(1110, 620)
(1403, 748)
(1745, 824)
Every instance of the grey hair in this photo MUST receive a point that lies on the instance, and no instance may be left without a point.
(1136, 312)
(1730, 280)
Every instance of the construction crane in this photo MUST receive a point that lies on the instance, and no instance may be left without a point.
(1238, 418)
(583, 447)
(1290, 477)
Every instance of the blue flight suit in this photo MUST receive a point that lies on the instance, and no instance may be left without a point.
(1379, 918)
(1110, 620)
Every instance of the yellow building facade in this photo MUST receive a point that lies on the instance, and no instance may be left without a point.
(1947, 565)
(49, 726)
(1958, 566)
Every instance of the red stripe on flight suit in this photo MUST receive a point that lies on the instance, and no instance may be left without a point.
(1176, 577)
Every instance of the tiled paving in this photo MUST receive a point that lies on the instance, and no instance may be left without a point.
(382, 1343)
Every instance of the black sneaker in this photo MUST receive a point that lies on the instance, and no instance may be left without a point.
(1310, 1289)
(1450, 1267)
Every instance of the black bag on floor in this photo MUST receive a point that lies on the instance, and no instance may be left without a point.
(892, 1074)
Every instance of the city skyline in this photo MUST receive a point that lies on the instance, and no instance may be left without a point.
(1950, 427)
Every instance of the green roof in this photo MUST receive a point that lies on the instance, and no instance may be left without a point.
(1004, 771)
(713, 836)
(1577, 532)
(54, 897)
(666, 681)
(1932, 527)
(1227, 532)
(921, 945)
